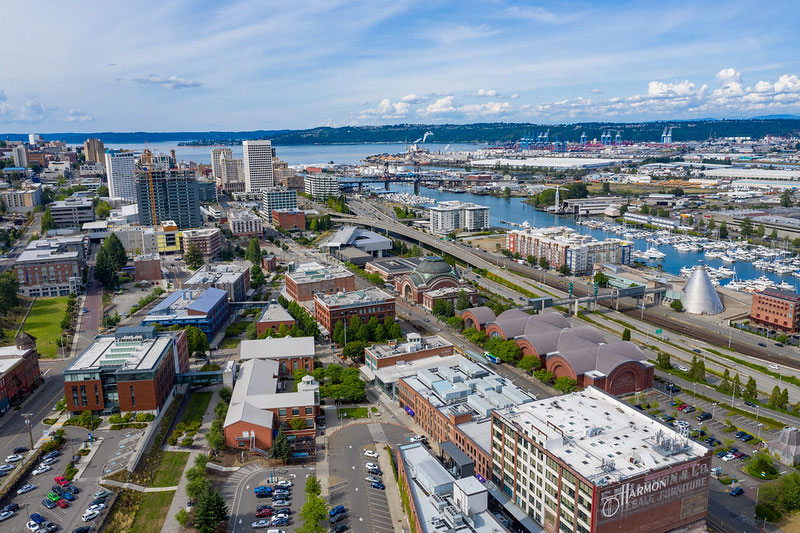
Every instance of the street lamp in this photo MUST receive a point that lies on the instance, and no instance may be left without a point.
(759, 430)
(713, 410)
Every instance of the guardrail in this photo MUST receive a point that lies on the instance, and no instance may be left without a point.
(18, 473)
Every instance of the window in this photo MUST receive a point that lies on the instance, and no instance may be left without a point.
(309, 410)
(281, 412)
(133, 398)
(84, 399)
(96, 395)
(75, 395)
(295, 411)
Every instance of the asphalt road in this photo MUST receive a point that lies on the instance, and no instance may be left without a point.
(367, 508)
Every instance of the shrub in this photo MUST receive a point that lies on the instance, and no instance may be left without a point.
(49, 421)
(225, 394)
(187, 442)
(145, 417)
(182, 517)
(115, 419)
(172, 440)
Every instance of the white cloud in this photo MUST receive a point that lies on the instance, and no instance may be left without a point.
(535, 13)
(728, 75)
(413, 99)
(32, 111)
(439, 107)
(387, 109)
(491, 93)
(485, 92)
(173, 82)
(73, 115)
(489, 109)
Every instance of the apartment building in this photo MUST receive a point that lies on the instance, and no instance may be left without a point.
(289, 218)
(19, 371)
(132, 370)
(22, 200)
(276, 198)
(217, 154)
(231, 175)
(208, 240)
(94, 151)
(168, 195)
(416, 347)
(257, 161)
(72, 212)
(285, 176)
(311, 279)
(321, 185)
(121, 174)
(341, 307)
(245, 224)
(458, 216)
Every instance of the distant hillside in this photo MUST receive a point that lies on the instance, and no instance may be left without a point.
(496, 132)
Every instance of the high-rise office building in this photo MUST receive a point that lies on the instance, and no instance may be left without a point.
(94, 150)
(231, 175)
(175, 196)
(216, 155)
(257, 160)
(121, 173)
(20, 155)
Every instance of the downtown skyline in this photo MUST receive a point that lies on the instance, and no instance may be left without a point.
(266, 65)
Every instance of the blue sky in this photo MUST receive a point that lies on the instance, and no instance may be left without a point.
(243, 65)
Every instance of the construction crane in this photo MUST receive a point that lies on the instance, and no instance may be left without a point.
(148, 168)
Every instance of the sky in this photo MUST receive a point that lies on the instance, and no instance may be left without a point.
(197, 65)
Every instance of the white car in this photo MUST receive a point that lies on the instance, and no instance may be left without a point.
(280, 504)
(7, 468)
(32, 526)
(13, 458)
(261, 524)
(5, 515)
(89, 515)
(41, 469)
(283, 483)
(25, 488)
(97, 507)
(49, 461)
(773, 366)
(372, 466)
(729, 457)
(682, 368)
(370, 453)
(418, 438)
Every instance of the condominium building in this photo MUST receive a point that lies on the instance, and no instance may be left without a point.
(285, 176)
(92, 169)
(277, 198)
(564, 246)
(132, 370)
(776, 308)
(72, 212)
(168, 195)
(207, 309)
(51, 267)
(234, 278)
(364, 304)
(245, 223)
(321, 185)
(216, 155)
(257, 160)
(94, 151)
(207, 240)
(311, 279)
(458, 216)
(20, 154)
(587, 462)
(231, 175)
(22, 200)
(121, 174)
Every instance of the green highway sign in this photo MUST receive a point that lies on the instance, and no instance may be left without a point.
(659, 331)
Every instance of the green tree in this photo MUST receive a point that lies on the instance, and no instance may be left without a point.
(544, 263)
(210, 511)
(281, 448)
(737, 386)
(750, 391)
(253, 253)
(3, 207)
(443, 308)
(182, 517)
(677, 306)
(645, 209)
(711, 225)
(463, 301)
(47, 221)
(116, 251)
(529, 363)
(746, 227)
(354, 350)
(257, 278)
(725, 384)
(104, 269)
(606, 188)
(626, 334)
(193, 257)
(723, 230)
(314, 511)
(776, 397)
(507, 192)
(564, 270)
(601, 279)
(102, 210)
(102, 191)
(786, 198)
(565, 385)
(663, 361)
(197, 341)
(297, 423)
(313, 485)
(8, 292)
(760, 230)
(774, 234)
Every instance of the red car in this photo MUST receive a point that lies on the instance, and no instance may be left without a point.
(264, 513)
(682, 407)
(62, 503)
(61, 480)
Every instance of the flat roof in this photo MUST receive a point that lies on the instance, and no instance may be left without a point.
(381, 351)
(401, 369)
(600, 437)
(370, 295)
(277, 348)
(218, 273)
(395, 265)
(274, 312)
(314, 271)
(551, 162)
(133, 352)
(180, 302)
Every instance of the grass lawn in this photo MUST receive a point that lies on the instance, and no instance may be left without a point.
(229, 343)
(353, 412)
(171, 469)
(152, 511)
(197, 407)
(44, 323)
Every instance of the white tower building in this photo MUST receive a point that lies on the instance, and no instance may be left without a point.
(121, 172)
(257, 161)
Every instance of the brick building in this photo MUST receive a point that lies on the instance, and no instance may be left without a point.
(776, 309)
(208, 240)
(311, 279)
(269, 263)
(147, 267)
(289, 218)
(341, 307)
(272, 318)
(132, 370)
(291, 353)
(19, 371)
(416, 347)
(257, 411)
(432, 275)
(390, 267)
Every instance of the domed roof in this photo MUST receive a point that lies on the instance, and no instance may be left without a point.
(430, 267)
(512, 313)
(699, 296)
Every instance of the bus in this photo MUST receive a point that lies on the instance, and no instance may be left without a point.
(491, 358)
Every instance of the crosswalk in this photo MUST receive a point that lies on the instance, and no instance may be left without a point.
(229, 489)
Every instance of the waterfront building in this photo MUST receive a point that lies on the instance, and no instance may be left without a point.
(121, 173)
(291, 353)
(217, 154)
(51, 267)
(651, 220)
(453, 215)
(277, 198)
(416, 347)
(243, 223)
(311, 279)
(232, 277)
(19, 371)
(595, 205)
(341, 307)
(587, 462)
(72, 212)
(22, 200)
(94, 151)
(257, 161)
(289, 219)
(134, 369)
(776, 309)
(207, 310)
(272, 317)
(561, 245)
(208, 240)
(168, 195)
(321, 185)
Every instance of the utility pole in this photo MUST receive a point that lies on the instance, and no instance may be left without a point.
(28, 423)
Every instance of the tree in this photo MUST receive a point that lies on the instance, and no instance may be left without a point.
(210, 511)
(564, 270)
(253, 253)
(750, 391)
(313, 512)
(197, 341)
(297, 423)
(257, 278)
(116, 251)
(280, 447)
(698, 369)
(663, 361)
(725, 384)
(47, 221)
(3, 206)
(723, 230)
(645, 209)
(354, 350)
(507, 192)
(746, 227)
(676, 306)
(8, 292)
(786, 198)
(626, 334)
(544, 263)
(601, 279)
(193, 257)
(529, 363)
(737, 386)
(774, 234)
(606, 187)
(104, 269)
(565, 385)
(102, 210)
(102, 191)
(711, 225)
(313, 485)
(463, 301)
(760, 230)
(443, 308)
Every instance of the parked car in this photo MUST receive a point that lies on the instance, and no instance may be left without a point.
(280, 521)
(20, 449)
(341, 528)
(337, 510)
(378, 485)
(61, 480)
(97, 507)
(280, 503)
(373, 479)
(63, 504)
(746, 437)
(729, 457)
(683, 368)
(370, 453)
(779, 344)
(72, 488)
(83, 529)
(25, 488)
(98, 500)
(41, 469)
(67, 495)
(32, 526)
(703, 416)
(51, 455)
(338, 518)
(689, 409)
(39, 519)
(261, 524)
(49, 503)
(264, 513)
(13, 458)
(737, 491)
(89, 515)
(13, 507)
(283, 483)
(371, 465)
(102, 493)
(5, 515)
(671, 387)
(773, 366)
(53, 496)
(7, 468)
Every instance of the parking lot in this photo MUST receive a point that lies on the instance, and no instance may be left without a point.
(367, 508)
(239, 489)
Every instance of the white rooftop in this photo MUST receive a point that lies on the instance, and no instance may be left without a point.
(274, 312)
(550, 162)
(132, 353)
(276, 348)
(218, 273)
(314, 271)
(602, 438)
